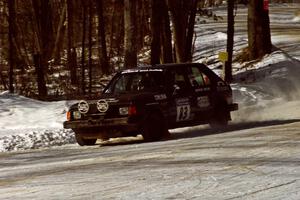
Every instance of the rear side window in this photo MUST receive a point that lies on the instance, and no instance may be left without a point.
(197, 78)
(178, 78)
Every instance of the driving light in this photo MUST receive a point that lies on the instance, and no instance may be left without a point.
(83, 107)
(76, 115)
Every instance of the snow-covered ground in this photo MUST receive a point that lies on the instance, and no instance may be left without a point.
(264, 89)
(27, 124)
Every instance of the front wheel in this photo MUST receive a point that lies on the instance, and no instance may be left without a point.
(154, 127)
(84, 142)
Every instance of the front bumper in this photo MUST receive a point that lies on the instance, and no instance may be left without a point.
(103, 123)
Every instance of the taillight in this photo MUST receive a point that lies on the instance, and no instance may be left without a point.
(132, 110)
(68, 115)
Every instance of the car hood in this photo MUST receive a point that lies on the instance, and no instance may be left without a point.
(121, 99)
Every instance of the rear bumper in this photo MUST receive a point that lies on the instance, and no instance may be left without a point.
(233, 107)
(102, 124)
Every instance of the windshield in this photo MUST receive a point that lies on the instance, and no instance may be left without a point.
(134, 82)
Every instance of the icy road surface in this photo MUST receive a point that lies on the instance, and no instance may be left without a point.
(257, 160)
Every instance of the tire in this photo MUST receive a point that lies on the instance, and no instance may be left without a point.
(84, 142)
(154, 127)
(220, 118)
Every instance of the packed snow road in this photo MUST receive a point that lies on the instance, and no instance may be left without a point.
(253, 160)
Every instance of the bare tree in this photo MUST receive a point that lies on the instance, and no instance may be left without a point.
(44, 32)
(166, 35)
(72, 57)
(230, 40)
(161, 43)
(130, 48)
(84, 13)
(103, 59)
(90, 32)
(60, 33)
(156, 19)
(259, 36)
(11, 36)
(183, 18)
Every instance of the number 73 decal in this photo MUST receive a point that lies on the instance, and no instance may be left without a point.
(183, 112)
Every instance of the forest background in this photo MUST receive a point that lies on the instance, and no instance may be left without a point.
(65, 49)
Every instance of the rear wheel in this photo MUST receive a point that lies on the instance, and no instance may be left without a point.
(84, 142)
(154, 127)
(220, 118)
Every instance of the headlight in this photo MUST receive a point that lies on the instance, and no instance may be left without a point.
(131, 110)
(123, 111)
(76, 115)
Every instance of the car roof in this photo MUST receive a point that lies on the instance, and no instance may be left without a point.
(161, 67)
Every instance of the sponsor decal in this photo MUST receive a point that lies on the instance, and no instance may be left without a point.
(203, 101)
(183, 113)
(182, 101)
(160, 97)
(141, 70)
(206, 89)
(183, 109)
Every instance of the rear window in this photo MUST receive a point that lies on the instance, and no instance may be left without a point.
(136, 82)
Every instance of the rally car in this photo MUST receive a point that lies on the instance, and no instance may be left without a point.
(150, 100)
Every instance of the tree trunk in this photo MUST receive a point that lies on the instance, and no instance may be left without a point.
(259, 37)
(179, 14)
(183, 19)
(44, 33)
(230, 40)
(90, 62)
(42, 89)
(103, 59)
(11, 36)
(83, 48)
(166, 35)
(72, 58)
(130, 59)
(156, 19)
(60, 35)
(190, 31)
(139, 25)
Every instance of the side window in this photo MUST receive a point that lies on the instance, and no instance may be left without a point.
(147, 81)
(136, 82)
(121, 84)
(179, 79)
(197, 78)
(206, 79)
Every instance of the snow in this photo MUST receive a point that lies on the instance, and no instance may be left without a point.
(29, 124)
(264, 88)
(296, 19)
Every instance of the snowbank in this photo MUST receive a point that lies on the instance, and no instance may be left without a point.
(36, 139)
(29, 124)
